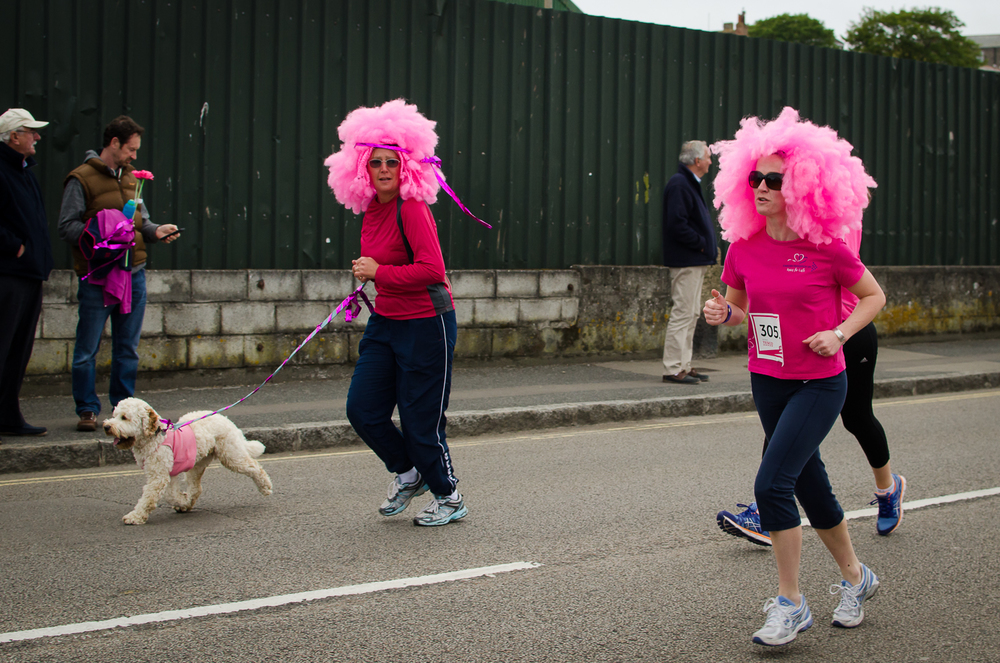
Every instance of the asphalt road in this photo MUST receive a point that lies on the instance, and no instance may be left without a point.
(619, 519)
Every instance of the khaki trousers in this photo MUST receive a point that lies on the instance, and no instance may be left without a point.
(685, 290)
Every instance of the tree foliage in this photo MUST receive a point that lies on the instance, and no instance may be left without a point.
(798, 28)
(929, 35)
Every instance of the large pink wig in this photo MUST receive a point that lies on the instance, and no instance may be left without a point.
(825, 188)
(393, 123)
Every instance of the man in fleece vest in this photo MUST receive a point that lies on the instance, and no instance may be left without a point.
(105, 182)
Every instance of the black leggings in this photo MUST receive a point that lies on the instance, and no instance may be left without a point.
(861, 353)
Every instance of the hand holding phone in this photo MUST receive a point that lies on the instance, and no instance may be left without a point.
(172, 234)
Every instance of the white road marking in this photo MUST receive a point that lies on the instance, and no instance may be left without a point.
(919, 504)
(269, 602)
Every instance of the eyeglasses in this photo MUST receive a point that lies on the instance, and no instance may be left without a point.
(773, 180)
(32, 132)
(377, 163)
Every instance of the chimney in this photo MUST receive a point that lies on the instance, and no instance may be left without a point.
(741, 26)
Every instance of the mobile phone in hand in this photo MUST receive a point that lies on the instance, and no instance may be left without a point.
(173, 233)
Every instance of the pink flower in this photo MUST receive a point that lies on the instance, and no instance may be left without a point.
(142, 174)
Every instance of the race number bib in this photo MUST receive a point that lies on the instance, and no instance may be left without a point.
(767, 336)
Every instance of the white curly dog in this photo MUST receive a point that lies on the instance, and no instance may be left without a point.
(137, 426)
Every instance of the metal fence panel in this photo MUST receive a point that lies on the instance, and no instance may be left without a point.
(559, 128)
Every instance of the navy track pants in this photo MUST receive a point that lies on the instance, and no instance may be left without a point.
(406, 364)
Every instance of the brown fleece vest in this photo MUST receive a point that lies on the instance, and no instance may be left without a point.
(102, 190)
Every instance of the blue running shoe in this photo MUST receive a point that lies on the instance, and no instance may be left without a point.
(441, 511)
(851, 610)
(400, 495)
(745, 524)
(890, 507)
(784, 622)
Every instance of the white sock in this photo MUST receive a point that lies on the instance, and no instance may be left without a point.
(886, 491)
(408, 476)
(454, 495)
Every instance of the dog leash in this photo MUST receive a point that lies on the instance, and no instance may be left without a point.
(351, 308)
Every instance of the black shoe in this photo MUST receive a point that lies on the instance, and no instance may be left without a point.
(699, 376)
(681, 378)
(25, 430)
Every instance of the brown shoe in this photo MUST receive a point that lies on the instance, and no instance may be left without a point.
(695, 374)
(87, 423)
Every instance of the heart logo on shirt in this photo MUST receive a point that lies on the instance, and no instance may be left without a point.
(798, 257)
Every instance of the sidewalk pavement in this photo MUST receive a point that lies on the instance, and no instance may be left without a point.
(487, 397)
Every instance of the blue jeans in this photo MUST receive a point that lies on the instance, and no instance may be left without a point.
(406, 364)
(796, 416)
(125, 331)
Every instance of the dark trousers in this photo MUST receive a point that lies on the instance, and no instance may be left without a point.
(861, 353)
(21, 303)
(406, 364)
(796, 416)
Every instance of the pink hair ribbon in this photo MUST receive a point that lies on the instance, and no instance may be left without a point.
(436, 163)
(351, 307)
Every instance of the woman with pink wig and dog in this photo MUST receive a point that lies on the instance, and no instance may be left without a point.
(385, 168)
(790, 192)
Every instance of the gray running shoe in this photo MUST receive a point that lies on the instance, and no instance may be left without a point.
(441, 511)
(400, 495)
(851, 610)
(784, 621)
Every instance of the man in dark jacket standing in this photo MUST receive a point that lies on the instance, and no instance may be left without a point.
(689, 248)
(25, 261)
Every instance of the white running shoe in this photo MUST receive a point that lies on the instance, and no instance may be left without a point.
(441, 511)
(784, 621)
(400, 495)
(851, 610)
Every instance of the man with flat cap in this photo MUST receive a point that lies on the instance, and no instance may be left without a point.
(25, 261)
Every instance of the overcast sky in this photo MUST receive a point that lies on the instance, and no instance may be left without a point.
(980, 16)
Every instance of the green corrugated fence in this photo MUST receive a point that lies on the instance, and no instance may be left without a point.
(558, 128)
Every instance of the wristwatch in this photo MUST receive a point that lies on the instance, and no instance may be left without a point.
(840, 335)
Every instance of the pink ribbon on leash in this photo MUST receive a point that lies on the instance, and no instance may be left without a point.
(436, 163)
(351, 308)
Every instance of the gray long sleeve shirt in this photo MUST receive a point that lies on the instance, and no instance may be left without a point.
(74, 204)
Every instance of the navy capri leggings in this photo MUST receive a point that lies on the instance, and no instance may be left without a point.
(796, 416)
(406, 364)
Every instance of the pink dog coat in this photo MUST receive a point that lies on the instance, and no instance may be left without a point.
(185, 447)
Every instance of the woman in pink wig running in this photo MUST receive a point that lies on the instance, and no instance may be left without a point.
(790, 192)
(385, 168)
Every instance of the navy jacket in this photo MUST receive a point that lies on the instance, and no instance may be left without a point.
(688, 231)
(22, 219)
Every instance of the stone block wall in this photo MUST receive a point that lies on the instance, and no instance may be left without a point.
(255, 318)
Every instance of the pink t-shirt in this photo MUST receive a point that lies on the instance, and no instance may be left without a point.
(793, 291)
(853, 241)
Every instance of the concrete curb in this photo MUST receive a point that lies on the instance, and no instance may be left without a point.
(334, 434)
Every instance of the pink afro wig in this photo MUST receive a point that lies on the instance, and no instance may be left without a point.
(825, 188)
(393, 123)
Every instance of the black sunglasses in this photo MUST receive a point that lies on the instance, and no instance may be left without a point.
(773, 180)
(377, 163)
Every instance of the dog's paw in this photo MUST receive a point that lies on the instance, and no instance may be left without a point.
(182, 508)
(265, 488)
(133, 518)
